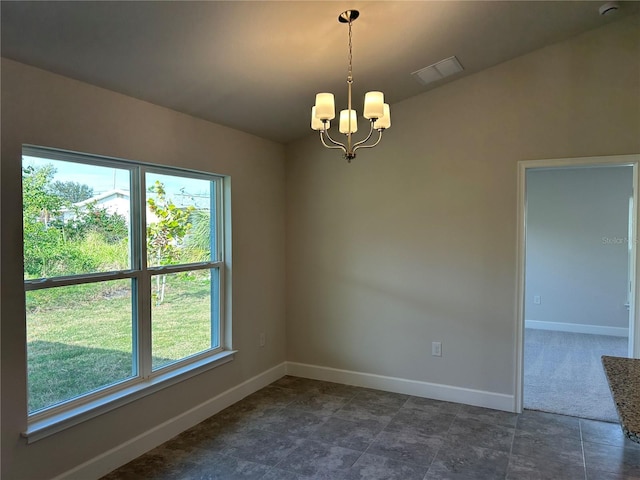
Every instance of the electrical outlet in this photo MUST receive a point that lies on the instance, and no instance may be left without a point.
(262, 339)
(436, 349)
(537, 300)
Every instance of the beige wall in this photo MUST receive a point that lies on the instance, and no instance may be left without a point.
(415, 241)
(577, 256)
(45, 109)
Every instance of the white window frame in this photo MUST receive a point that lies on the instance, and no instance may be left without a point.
(58, 417)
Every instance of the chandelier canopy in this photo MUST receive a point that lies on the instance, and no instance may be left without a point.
(375, 110)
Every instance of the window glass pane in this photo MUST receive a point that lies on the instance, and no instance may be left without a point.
(75, 216)
(181, 315)
(180, 227)
(79, 339)
(84, 215)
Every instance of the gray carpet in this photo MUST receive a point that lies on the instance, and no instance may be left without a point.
(563, 373)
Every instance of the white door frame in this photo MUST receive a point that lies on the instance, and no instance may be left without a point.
(634, 307)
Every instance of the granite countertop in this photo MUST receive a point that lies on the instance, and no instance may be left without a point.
(623, 375)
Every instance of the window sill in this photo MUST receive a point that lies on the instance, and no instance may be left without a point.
(52, 424)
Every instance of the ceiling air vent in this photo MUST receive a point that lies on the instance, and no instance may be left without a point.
(438, 70)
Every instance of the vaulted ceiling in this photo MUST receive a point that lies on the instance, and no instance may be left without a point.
(256, 66)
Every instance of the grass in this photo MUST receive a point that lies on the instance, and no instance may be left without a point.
(181, 324)
(79, 338)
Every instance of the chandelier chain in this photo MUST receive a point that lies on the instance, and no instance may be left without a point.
(350, 72)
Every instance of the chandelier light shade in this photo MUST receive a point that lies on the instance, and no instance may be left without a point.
(375, 110)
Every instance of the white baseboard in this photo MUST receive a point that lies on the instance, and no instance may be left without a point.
(577, 328)
(480, 398)
(133, 448)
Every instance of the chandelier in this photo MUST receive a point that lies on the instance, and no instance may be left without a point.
(375, 110)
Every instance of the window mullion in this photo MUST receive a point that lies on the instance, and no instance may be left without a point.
(144, 324)
(143, 291)
(183, 267)
(44, 283)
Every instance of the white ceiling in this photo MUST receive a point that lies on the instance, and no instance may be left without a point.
(256, 66)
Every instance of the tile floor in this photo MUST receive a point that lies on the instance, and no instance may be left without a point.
(306, 429)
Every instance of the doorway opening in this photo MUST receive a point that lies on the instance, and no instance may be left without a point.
(576, 281)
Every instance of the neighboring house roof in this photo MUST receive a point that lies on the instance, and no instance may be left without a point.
(103, 197)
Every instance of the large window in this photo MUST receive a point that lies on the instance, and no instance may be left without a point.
(124, 277)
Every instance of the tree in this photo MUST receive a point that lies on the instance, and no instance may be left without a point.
(38, 201)
(165, 237)
(72, 192)
(53, 246)
(198, 242)
(39, 206)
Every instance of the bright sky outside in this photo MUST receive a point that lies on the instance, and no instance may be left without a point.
(182, 191)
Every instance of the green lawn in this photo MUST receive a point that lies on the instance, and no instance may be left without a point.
(79, 338)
